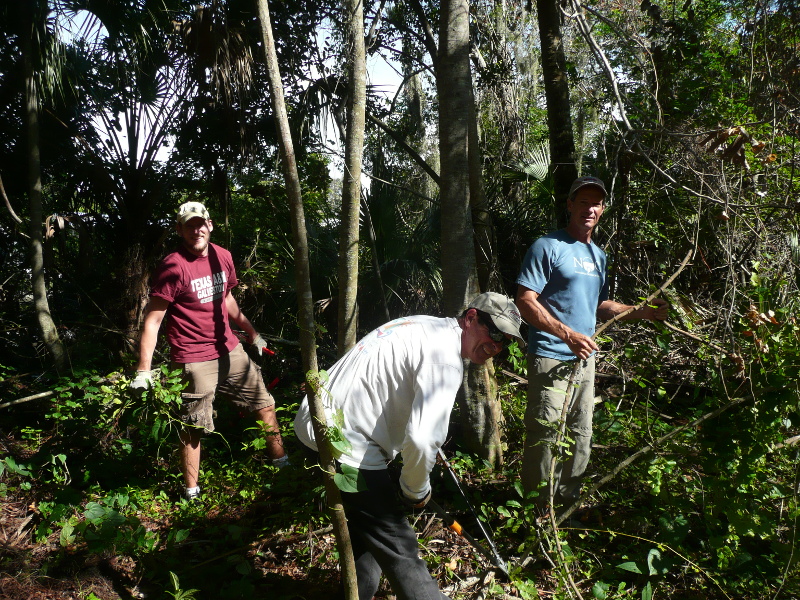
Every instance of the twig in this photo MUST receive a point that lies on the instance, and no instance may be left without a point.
(38, 396)
(695, 337)
(14, 216)
(21, 527)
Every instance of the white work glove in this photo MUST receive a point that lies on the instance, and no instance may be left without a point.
(261, 345)
(142, 382)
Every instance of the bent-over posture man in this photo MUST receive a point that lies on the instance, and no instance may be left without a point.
(562, 291)
(191, 287)
(395, 390)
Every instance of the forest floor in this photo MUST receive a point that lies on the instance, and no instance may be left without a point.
(90, 509)
(256, 532)
(226, 542)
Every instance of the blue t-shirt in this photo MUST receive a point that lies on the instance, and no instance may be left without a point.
(570, 278)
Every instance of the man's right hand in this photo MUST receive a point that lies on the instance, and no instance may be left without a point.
(142, 382)
(261, 346)
(581, 345)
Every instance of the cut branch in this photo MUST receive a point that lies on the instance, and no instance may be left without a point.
(647, 300)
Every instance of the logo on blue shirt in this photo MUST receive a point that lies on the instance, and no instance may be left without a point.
(584, 266)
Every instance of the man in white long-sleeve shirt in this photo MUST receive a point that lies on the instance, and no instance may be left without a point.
(395, 390)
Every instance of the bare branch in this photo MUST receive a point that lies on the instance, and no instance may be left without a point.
(8, 203)
(647, 300)
(411, 152)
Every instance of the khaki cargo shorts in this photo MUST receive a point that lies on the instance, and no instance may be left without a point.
(234, 376)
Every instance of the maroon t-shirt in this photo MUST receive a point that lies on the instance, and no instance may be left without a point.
(196, 288)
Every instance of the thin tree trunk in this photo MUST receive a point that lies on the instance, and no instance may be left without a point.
(461, 198)
(47, 327)
(306, 308)
(559, 120)
(454, 86)
(351, 183)
(376, 265)
(482, 415)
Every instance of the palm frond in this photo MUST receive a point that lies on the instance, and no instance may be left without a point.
(535, 165)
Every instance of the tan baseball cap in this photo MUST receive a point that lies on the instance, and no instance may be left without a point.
(190, 210)
(504, 313)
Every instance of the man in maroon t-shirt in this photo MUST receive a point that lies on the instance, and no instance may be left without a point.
(192, 287)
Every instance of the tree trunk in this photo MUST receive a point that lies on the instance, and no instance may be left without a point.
(454, 86)
(47, 328)
(461, 197)
(559, 121)
(479, 208)
(351, 183)
(306, 308)
(481, 415)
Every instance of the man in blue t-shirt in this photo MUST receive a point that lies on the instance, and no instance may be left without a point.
(562, 291)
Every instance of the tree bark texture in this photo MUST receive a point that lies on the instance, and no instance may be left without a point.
(454, 86)
(559, 120)
(485, 257)
(351, 183)
(47, 327)
(480, 413)
(306, 308)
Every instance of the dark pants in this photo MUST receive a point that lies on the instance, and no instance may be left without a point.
(383, 541)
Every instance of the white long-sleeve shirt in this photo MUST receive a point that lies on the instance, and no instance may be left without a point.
(395, 390)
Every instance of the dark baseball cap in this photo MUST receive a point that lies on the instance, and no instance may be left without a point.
(582, 182)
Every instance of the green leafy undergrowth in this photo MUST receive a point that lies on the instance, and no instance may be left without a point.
(99, 469)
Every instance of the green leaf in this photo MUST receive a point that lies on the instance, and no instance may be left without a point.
(94, 512)
(14, 467)
(630, 566)
(527, 589)
(350, 480)
(181, 535)
(653, 555)
(67, 536)
(600, 590)
(557, 390)
(647, 591)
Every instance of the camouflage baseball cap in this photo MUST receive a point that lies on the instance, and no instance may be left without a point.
(190, 210)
